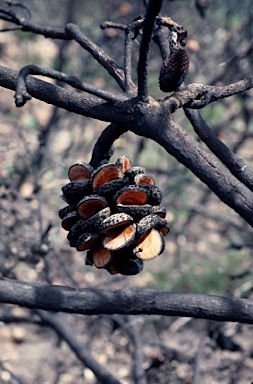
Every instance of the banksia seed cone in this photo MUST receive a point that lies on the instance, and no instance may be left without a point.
(174, 70)
(114, 214)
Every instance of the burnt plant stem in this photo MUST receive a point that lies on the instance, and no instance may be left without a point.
(21, 95)
(124, 301)
(153, 9)
(129, 36)
(132, 333)
(102, 58)
(197, 96)
(28, 26)
(236, 165)
(103, 149)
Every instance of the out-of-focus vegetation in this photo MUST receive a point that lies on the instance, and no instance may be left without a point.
(209, 244)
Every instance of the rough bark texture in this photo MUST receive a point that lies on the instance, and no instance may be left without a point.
(125, 301)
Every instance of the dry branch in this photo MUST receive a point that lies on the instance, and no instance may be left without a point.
(151, 119)
(125, 301)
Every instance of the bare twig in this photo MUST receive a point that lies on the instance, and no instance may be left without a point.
(153, 9)
(102, 58)
(198, 96)
(128, 327)
(236, 166)
(28, 26)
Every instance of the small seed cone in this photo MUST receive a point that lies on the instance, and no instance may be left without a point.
(174, 70)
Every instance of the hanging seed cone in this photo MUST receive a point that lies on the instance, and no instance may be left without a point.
(150, 245)
(115, 215)
(174, 70)
(80, 171)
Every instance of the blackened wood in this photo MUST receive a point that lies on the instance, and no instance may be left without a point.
(125, 301)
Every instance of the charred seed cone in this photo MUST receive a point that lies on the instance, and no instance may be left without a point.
(114, 214)
(174, 70)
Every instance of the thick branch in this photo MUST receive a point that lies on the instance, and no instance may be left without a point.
(124, 301)
(51, 94)
(21, 95)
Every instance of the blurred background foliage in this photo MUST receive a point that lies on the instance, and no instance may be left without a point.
(209, 248)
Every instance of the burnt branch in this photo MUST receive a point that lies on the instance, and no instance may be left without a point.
(28, 26)
(153, 9)
(21, 95)
(125, 301)
(236, 165)
(198, 96)
(103, 149)
(131, 33)
(126, 325)
(102, 58)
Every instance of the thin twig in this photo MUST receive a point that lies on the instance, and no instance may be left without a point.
(197, 361)
(28, 26)
(198, 96)
(131, 33)
(128, 327)
(102, 58)
(236, 165)
(153, 9)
